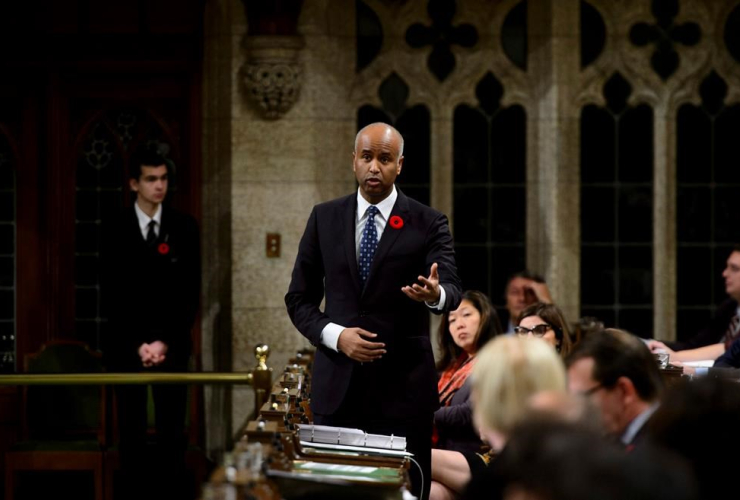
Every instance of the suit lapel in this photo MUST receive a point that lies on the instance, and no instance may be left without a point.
(349, 222)
(390, 234)
(164, 228)
(134, 229)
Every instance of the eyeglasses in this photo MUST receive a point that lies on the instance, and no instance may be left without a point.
(536, 330)
(593, 390)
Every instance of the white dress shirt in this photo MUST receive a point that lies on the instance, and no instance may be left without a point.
(144, 220)
(330, 333)
(637, 423)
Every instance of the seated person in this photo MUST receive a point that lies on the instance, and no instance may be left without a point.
(462, 333)
(715, 338)
(547, 322)
(617, 371)
(508, 372)
(726, 366)
(551, 459)
(522, 289)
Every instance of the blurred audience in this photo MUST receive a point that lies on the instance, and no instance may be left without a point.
(547, 322)
(699, 421)
(551, 459)
(508, 372)
(522, 289)
(717, 337)
(462, 333)
(620, 375)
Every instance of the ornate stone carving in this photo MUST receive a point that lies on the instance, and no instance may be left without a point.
(272, 74)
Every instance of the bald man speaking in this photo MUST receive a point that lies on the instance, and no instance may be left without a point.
(382, 261)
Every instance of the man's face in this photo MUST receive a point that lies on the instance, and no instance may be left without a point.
(606, 399)
(377, 162)
(519, 295)
(731, 274)
(151, 187)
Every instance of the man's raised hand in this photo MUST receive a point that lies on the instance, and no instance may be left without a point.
(429, 292)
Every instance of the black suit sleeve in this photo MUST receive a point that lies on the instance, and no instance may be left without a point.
(306, 289)
(441, 250)
(731, 357)
(455, 415)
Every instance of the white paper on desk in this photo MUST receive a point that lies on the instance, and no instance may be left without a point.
(708, 363)
(349, 437)
(362, 449)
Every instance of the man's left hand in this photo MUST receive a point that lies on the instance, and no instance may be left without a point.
(427, 291)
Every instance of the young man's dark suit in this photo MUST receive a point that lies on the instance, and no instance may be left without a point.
(397, 393)
(151, 291)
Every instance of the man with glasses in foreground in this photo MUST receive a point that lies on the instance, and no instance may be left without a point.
(617, 371)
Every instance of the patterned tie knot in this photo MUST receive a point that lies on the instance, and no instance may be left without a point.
(368, 243)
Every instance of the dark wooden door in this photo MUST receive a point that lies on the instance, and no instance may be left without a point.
(84, 84)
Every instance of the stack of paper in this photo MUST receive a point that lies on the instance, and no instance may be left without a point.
(349, 437)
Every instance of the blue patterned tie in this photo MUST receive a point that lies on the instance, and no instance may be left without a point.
(368, 243)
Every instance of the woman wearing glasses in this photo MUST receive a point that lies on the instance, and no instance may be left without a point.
(547, 322)
(462, 333)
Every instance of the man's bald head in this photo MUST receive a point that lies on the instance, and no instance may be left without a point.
(391, 130)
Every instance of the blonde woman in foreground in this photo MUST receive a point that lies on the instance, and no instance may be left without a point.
(509, 371)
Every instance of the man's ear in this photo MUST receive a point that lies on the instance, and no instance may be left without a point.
(354, 157)
(133, 184)
(400, 165)
(629, 393)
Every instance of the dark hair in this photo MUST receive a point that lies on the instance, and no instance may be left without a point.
(554, 317)
(618, 353)
(561, 461)
(526, 274)
(148, 157)
(488, 328)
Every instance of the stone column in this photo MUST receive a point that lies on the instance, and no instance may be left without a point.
(664, 223)
(553, 187)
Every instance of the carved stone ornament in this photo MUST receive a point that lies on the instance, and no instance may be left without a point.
(272, 74)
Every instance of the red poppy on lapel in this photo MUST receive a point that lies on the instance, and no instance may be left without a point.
(163, 248)
(396, 222)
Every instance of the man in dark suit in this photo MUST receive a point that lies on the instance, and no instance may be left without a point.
(151, 291)
(382, 261)
(619, 373)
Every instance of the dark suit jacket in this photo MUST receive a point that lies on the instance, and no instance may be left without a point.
(726, 366)
(326, 266)
(150, 292)
(455, 423)
(713, 332)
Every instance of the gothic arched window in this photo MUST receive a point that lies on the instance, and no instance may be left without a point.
(617, 211)
(489, 190)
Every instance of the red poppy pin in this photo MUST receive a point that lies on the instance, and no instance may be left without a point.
(396, 222)
(163, 248)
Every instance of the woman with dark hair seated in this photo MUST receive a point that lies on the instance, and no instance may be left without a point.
(547, 322)
(462, 333)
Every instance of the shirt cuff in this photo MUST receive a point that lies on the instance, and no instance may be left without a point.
(330, 335)
(440, 304)
(701, 371)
